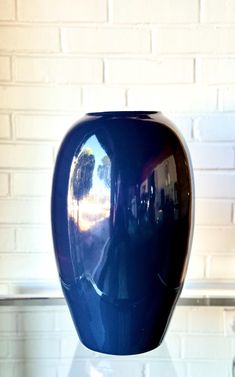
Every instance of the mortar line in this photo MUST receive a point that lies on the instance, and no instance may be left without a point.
(16, 11)
(201, 5)
(109, 11)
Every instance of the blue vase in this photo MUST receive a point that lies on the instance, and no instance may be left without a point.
(122, 219)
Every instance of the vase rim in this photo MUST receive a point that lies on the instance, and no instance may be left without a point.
(123, 112)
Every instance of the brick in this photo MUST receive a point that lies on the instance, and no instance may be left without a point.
(208, 320)
(209, 368)
(4, 289)
(155, 11)
(35, 322)
(214, 239)
(166, 368)
(222, 267)
(133, 71)
(61, 70)
(32, 348)
(35, 266)
(214, 185)
(196, 268)
(213, 212)
(7, 238)
(24, 211)
(65, 369)
(228, 99)
(215, 128)
(105, 40)
(43, 127)
(7, 10)
(207, 347)
(219, 11)
(33, 240)
(173, 98)
(7, 322)
(37, 368)
(40, 98)
(7, 369)
(179, 320)
(5, 73)
(217, 71)
(22, 38)
(195, 39)
(63, 322)
(183, 124)
(102, 98)
(71, 347)
(3, 348)
(25, 156)
(5, 130)
(31, 184)
(4, 190)
(62, 10)
(209, 156)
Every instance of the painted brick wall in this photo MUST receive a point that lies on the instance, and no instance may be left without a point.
(61, 58)
(38, 341)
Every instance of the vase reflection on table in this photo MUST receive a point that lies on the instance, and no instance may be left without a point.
(122, 222)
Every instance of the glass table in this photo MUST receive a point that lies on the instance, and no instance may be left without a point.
(38, 339)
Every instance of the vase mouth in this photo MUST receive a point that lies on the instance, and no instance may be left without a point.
(123, 113)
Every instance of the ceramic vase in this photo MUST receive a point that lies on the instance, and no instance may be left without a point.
(122, 222)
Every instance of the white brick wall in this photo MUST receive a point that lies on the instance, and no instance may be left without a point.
(218, 127)
(59, 59)
(213, 212)
(30, 184)
(7, 10)
(5, 130)
(217, 71)
(41, 340)
(29, 38)
(65, 98)
(25, 211)
(7, 236)
(219, 11)
(5, 73)
(62, 10)
(105, 40)
(4, 184)
(143, 71)
(42, 127)
(25, 156)
(188, 98)
(199, 39)
(155, 11)
(58, 70)
(227, 98)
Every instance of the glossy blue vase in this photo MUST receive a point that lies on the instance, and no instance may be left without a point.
(122, 219)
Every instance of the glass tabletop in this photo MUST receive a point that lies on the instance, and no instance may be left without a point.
(38, 339)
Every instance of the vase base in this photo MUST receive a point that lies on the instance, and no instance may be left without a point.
(121, 327)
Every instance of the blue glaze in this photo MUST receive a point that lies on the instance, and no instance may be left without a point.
(121, 222)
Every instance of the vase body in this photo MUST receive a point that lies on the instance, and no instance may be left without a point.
(122, 219)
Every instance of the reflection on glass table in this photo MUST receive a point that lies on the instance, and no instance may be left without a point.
(38, 339)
